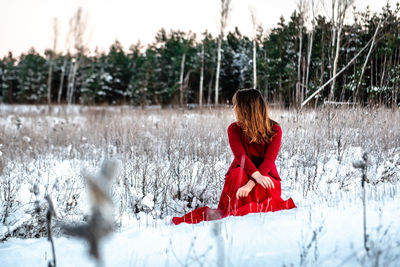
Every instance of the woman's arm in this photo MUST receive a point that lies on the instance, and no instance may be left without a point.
(271, 152)
(238, 150)
(264, 180)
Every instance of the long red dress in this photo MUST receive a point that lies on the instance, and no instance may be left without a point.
(249, 157)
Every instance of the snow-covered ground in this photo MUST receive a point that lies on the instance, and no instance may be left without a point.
(175, 161)
(310, 235)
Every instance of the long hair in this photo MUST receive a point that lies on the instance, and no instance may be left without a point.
(252, 115)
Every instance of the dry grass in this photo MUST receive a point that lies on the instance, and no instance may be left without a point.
(178, 158)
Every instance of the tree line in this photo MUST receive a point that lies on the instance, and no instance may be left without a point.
(287, 63)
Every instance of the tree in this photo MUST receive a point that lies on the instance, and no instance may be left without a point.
(31, 77)
(175, 69)
(201, 76)
(119, 68)
(9, 78)
(224, 15)
(140, 68)
(236, 65)
(255, 27)
(339, 10)
(310, 43)
(52, 55)
(210, 46)
(77, 32)
(187, 42)
(301, 18)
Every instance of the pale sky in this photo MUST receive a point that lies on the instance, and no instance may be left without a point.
(29, 23)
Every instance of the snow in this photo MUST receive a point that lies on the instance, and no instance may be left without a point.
(273, 239)
(148, 201)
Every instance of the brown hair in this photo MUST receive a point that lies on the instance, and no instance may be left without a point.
(252, 115)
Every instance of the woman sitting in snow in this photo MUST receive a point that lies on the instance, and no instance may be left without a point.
(252, 183)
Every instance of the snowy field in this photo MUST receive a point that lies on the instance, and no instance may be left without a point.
(174, 161)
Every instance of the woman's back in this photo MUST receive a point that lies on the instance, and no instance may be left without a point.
(256, 155)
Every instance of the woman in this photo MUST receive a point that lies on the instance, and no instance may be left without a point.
(252, 183)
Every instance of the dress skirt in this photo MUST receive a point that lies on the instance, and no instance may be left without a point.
(259, 199)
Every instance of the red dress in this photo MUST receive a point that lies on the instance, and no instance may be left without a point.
(249, 157)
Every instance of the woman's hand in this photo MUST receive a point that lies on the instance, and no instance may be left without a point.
(245, 190)
(264, 181)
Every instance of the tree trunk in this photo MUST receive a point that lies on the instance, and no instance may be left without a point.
(70, 78)
(383, 71)
(337, 74)
(254, 64)
(365, 63)
(61, 82)
(335, 63)
(298, 84)
(310, 44)
(333, 40)
(218, 70)
(49, 79)
(201, 78)
(186, 86)
(266, 79)
(181, 78)
(71, 82)
(302, 81)
(322, 60)
(210, 88)
(376, 71)
(225, 10)
(372, 76)
(396, 79)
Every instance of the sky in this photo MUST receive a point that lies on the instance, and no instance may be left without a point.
(29, 23)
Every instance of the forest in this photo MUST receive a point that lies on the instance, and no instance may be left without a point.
(287, 63)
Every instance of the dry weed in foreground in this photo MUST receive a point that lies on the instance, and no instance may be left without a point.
(101, 219)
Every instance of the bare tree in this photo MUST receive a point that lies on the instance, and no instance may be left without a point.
(339, 10)
(366, 61)
(77, 30)
(333, 38)
(210, 85)
(255, 25)
(310, 42)
(186, 43)
(337, 74)
(302, 13)
(181, 78)
(101, 221)
(63, 69)
(265, 59)
(201, 76)
(51, 60)
(60, 88)
(225, 10)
